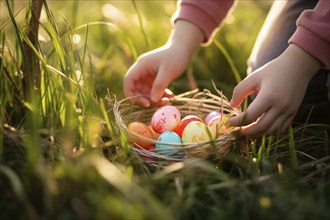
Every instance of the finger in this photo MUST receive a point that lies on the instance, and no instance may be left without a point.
(160, 84)
(142, 101)
(131, 90)
(131, 78)
(286, 125)
(280, 125)
(137, 84)
(256, 109)
(275, 128)
(168, 93)
(243, 90)
(271, 123)
(128, 87)
(163, 101)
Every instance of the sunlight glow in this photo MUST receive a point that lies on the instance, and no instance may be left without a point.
(80, 78)
(242, 37)
(229, 19)
(93, 132)
(112, 12)
(135, 20)
(76, 38)
(280, 167)
(43, 16)
(265, 202)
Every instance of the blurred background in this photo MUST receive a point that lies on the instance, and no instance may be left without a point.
(115, 32)
(62, 157)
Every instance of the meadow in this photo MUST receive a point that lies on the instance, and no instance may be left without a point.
(62, 155)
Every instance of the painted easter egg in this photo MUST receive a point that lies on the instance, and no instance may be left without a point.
(165, 149)
(184, 122)
(140, 129)
(165, 118)
(196, 132)
(210, 116)
(216, 126)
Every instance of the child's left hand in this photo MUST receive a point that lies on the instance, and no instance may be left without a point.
(280, 86)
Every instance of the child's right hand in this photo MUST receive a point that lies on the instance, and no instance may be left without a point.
(151, 74)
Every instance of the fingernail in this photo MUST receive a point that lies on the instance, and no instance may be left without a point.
(164, 101)
(146, 104)
(154, 98)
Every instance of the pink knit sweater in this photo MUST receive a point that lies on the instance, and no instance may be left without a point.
(313, 26)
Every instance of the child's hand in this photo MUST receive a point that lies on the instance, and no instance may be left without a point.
(280, 86)
(154, 71)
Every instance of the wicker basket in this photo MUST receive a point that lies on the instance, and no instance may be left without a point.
(194, 102)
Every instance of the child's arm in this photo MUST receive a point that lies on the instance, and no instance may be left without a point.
(313, 32)
(281, 84)
(154, 71)
(194, 22)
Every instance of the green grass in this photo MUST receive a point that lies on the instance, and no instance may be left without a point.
(62, 156)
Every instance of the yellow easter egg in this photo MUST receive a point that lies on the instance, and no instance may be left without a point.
(196, 132)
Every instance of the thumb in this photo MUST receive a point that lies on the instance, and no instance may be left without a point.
(160, 84)
(242, 90)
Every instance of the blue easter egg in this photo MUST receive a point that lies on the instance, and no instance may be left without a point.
(169, 150)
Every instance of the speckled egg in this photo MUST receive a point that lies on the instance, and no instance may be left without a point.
(166, 118)
(210, 116)
(140, 129)
(168, 150)
(216, 126)
(184, 122)
(196, 132)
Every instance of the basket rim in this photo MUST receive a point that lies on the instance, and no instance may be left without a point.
(172, 101)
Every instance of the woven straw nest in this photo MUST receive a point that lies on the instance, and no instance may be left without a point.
(195, 102)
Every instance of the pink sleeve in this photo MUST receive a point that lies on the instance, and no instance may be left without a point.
(313, 32)
(205, 14)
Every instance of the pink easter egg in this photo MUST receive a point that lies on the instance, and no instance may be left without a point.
(216, 126)
(166, 118)
(211, 115)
